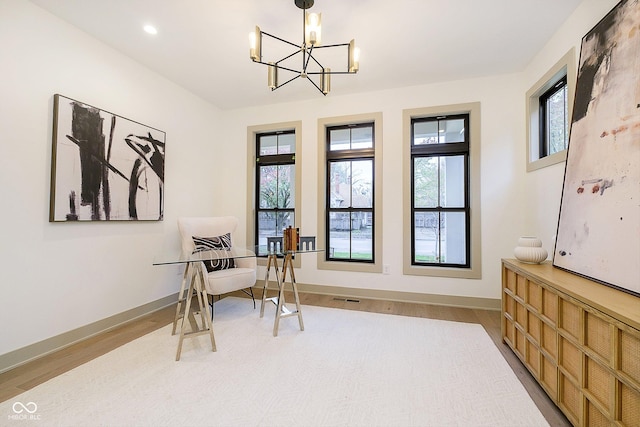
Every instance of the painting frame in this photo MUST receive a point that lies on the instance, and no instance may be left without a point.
(104, 167)
(598, 233)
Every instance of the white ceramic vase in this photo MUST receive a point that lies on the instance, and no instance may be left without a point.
(530, 250)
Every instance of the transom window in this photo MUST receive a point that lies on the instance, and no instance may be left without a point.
(275, 185)
(350, 215)
(440, 219)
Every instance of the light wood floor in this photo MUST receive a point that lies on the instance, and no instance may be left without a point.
(27, 376)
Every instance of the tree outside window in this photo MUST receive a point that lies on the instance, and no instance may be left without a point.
(350, 193)
(554, 119)
(440, 217)
(275, 186)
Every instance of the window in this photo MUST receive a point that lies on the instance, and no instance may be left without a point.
(440, 191)
(441, 198)
(549, 104)
(350, 192)
(554, 119)
(273, 170)
(275, 182)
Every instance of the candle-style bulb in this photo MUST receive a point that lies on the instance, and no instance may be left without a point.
(354, 57)
(313, 29)
(254, 45)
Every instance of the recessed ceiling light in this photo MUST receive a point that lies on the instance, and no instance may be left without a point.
(150, 29)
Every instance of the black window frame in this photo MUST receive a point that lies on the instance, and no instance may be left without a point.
(442, 150)
(270, 160)
(543, 133)
(351, 155)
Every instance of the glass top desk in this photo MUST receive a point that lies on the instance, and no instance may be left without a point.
(193, 285)
(177, 257)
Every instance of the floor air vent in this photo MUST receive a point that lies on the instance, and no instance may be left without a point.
(346, 299)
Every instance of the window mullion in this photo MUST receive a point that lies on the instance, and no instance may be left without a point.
(439, 186)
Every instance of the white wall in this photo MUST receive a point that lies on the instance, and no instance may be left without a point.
(501, 169)
(56, 277)
(544, 186)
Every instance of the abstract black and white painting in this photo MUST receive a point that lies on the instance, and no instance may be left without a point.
(104, 167)
(599, 224)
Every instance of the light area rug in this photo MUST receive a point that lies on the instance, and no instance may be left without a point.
(347, 368)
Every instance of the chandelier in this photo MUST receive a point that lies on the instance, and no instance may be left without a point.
(310, 66)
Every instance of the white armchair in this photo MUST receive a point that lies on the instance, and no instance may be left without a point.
(241, 277)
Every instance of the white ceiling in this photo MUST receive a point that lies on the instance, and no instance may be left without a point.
(203, 45)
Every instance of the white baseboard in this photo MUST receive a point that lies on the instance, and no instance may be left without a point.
(411, 297)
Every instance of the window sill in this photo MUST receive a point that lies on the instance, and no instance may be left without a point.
(558, 157)
(455, 273)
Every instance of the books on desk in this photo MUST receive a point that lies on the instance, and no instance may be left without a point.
(291, 239)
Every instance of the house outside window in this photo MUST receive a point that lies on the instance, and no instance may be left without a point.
(275, 194)
(440, 191)
(350, 192)
(349, 187)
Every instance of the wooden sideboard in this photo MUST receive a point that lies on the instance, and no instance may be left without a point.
(578, 338)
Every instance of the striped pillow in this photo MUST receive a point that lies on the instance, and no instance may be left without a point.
(215, 243)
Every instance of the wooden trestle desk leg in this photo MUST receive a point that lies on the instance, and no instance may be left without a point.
(271, 259)
(181, 297)
(282, 310)
(196, 283)
(185, 292)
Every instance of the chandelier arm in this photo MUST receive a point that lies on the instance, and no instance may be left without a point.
(278, 38)
(277, 66)
(317, 87)
(284, 68)
(332, 45)
(309, 57)
(314, 60)
(288, 81)
(321, 66)
(329, 72)
(287, 57)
